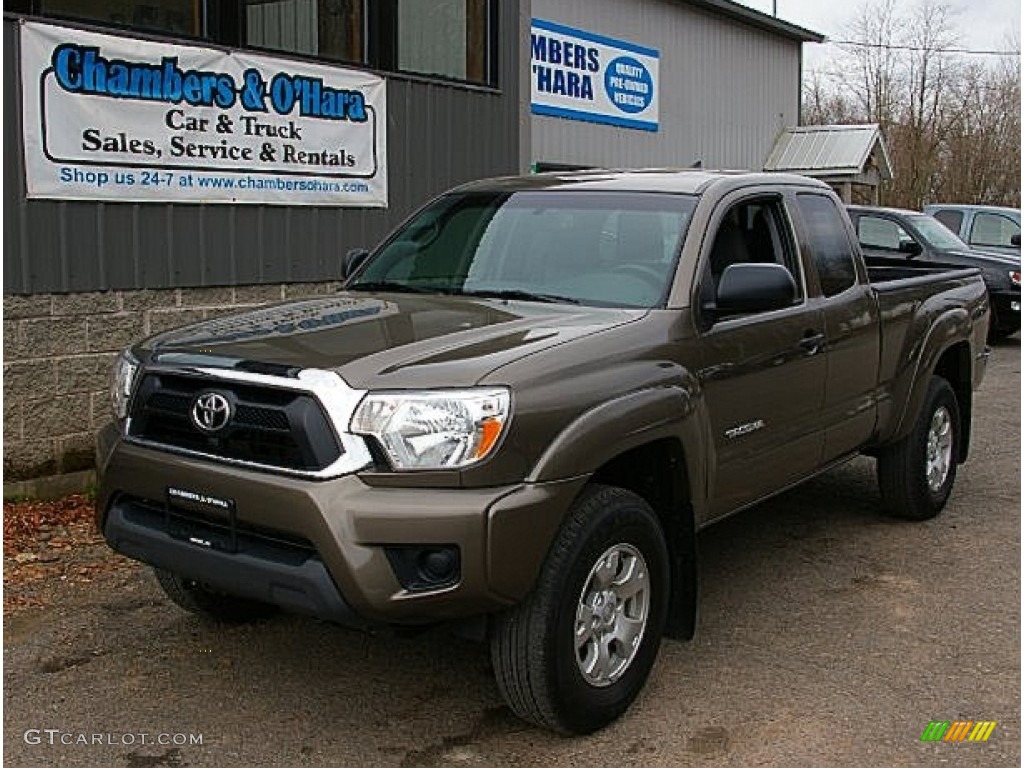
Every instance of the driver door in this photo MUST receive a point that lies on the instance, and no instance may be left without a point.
(762, 373)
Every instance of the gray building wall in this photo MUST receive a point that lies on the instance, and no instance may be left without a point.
(438, 135)
(727, 89)
(82, 280)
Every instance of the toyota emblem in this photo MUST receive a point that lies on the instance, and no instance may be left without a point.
(211, 412)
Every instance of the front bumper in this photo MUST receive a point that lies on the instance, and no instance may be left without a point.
(502, 535)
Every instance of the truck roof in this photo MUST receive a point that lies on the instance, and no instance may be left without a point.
(884, 209)
(970, 207)
(692, 181)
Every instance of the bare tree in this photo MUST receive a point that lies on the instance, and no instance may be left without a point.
(952, 122)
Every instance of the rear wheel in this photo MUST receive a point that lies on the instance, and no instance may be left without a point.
(576, 652)
(916, 475)
(199, 599)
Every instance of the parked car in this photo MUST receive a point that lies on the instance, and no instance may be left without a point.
(983, 227)
(524, 405)
(900, 236)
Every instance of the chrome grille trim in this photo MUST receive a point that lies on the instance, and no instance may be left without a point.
(336, 397)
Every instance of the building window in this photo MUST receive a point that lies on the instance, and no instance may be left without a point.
(327, 29)
(444, 37)
(450, 39)
(171, 17)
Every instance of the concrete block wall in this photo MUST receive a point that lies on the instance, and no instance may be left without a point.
(58, 350)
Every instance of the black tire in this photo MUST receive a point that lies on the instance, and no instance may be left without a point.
(533, 647)
(198, 599)
(903, 467)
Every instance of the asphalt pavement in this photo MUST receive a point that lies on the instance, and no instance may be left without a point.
(828, 636)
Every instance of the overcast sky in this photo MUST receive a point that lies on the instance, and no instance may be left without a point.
(981, 24)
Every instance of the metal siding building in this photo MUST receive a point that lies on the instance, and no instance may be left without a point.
(440, 134)
(85, 277)
(728, 87)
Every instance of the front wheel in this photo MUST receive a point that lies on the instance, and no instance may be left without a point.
(915, 475)
(576, 652)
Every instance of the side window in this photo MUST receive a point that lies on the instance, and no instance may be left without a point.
(874, 232)
(830, 247)
(952, 219)
(993, 229)
(751, 231)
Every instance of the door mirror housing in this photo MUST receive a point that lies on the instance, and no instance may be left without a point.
(910, 247)
(352, 261)
(754, 288)
(1015, 240)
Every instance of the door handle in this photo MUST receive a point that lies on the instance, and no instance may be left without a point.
(812, 342)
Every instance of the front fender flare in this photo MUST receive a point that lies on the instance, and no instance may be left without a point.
(612, 428)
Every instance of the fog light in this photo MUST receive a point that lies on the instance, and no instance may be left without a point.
(423, 567)
(437, 565)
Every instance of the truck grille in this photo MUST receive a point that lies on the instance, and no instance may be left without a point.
(280, 428)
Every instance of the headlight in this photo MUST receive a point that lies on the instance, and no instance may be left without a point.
(125, 369)
(444, 429)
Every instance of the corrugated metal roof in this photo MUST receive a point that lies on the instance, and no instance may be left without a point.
(830, 150)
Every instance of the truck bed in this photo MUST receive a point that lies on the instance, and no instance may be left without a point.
(890, 274)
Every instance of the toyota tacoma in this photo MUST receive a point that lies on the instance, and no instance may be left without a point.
(525, 404)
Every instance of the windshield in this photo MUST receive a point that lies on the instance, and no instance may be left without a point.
(937, 235)
(597, 248)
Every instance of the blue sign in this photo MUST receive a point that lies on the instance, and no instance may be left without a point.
(581, 75)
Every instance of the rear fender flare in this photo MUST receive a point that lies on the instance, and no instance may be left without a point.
(943, 334)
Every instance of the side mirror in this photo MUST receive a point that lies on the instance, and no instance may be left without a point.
(754, 288)
(910, 247)
(352, 261)
(1015, 240)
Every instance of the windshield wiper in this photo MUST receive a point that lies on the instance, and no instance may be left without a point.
(388, 285)
(547, 298)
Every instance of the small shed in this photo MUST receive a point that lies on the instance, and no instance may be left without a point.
(840, 155)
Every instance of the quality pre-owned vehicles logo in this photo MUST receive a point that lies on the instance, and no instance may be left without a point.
(569, 65)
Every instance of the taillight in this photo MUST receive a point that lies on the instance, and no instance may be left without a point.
(1015, 278)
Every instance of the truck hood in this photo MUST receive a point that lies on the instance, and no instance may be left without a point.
(383, 340)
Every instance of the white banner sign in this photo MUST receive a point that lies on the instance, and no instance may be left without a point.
(584, 76)
(112, 118)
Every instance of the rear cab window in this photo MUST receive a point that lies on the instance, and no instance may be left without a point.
(831, 249)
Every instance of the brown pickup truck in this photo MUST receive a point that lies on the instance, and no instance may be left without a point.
(525, 404)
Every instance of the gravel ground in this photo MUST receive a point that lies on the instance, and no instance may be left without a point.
(828, 636)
